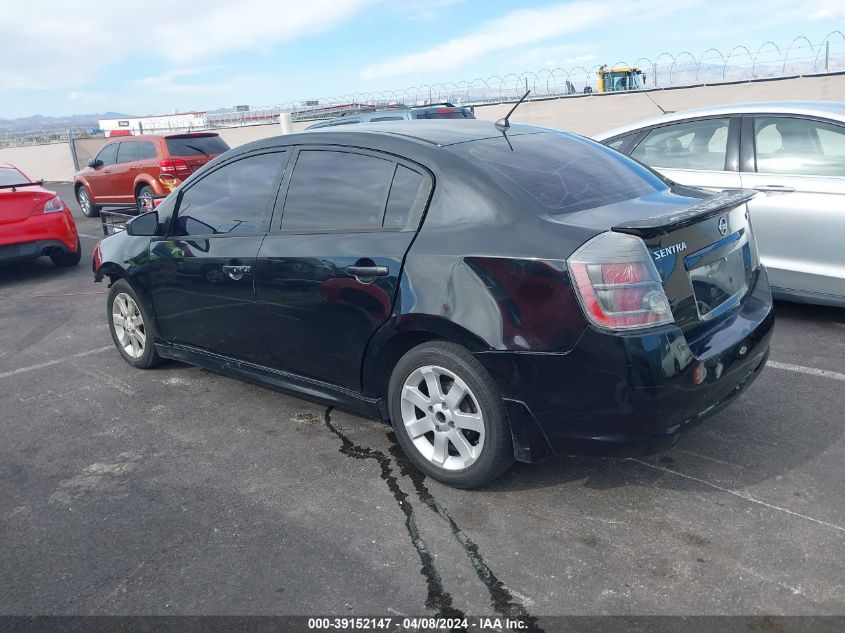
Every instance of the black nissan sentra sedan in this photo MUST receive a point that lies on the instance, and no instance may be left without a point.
(496, 296)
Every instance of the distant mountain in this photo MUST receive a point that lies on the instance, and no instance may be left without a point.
(40, 122)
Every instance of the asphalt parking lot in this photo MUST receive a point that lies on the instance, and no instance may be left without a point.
(178, 491)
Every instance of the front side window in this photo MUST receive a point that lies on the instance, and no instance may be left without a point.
(235, 198)
(333, 190)
(698, 145)
(787, 145)
(108, 155)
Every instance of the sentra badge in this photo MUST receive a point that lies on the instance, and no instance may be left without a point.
(669, 250)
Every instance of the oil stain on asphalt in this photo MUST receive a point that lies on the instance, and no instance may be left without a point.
(438, 597)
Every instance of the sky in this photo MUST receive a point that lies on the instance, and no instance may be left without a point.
(67, 57)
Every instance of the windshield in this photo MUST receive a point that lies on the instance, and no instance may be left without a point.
(566, 173)
(11, 176)
(196, 146)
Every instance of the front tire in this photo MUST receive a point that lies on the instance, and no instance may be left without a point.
(131, 326)
(448, 415)
(83, 197)
(64, 260)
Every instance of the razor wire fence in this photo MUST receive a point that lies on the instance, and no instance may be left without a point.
(667, 70)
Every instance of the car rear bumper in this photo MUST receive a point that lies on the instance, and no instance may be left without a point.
(38, 235)
(631, 394)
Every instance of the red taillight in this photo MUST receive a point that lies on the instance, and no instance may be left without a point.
(174, 166)
(444, 111)
(617, 283)
(96, 257)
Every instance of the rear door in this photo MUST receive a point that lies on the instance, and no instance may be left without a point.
(798, 165)
(698, 153)
(328, 271)
(202, 273)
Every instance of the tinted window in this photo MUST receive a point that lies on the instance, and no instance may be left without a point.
(344, 122)
(566, 173)
(337, 191)
(387, 118)
(445, 113)
(145, 150)
(196, 145)
(127, 152)
(233, 199)
(407, 197)
(108, 154)
(690, 145)
(799, 146)
(11, 176)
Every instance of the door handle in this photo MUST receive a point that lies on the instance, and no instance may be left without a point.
(774, 189)
(368, 271)
(237, 272)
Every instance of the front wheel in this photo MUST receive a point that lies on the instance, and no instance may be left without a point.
(449, 416)
(83, 197)
(131, 326)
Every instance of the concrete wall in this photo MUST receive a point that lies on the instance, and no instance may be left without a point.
(586, 114)
(50, 162)
(591, 114)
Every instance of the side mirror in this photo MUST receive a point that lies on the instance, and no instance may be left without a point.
(94, 163)
(143, 225)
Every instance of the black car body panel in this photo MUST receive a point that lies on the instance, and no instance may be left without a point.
(484, 265)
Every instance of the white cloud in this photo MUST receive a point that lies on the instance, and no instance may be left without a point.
(50, 44)
(517, 28)
(829, 10)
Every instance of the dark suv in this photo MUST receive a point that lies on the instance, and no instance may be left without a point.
(496, 296)
(414, 113)
(132, 168)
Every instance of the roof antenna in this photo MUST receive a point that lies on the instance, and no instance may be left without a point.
(503, 123)
(660, 107)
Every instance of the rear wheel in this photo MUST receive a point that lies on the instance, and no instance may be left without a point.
(145, 194)
(449, 416)
(83, 197)
(131, 326)
(64, 259)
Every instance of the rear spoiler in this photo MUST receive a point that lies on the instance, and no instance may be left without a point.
(37, 183)
(662, 224)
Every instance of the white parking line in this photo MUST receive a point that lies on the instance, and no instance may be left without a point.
(90, 237)
(810, 371)
(56, 361)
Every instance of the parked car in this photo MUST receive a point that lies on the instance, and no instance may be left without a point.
(791, 152)
(132, 168)
(426, 112)
(34, 221)
(497, 297)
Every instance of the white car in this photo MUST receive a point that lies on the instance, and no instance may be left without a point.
(791, 152)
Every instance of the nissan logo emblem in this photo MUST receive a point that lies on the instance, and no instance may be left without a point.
(723, 225)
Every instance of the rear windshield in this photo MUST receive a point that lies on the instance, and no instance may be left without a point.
(444, 113)
(196, 146)
(11, 176)
(566, 173)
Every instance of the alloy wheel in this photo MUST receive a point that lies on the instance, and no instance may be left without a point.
(128, 325)
(442, 418)
(84, 201)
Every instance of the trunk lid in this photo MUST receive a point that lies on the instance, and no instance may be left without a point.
(18, 204)
(702, 246)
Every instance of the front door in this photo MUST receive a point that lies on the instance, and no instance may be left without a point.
(327, 276)
(202, 274)
(697, 153)
(123, 172)
(99, 178)
(799, 216)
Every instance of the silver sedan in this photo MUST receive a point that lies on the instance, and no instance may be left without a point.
(791, 152)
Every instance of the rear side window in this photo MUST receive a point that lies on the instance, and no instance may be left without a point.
(108, 155)
(332, 190)
(699, 144)
(127, 152)
(408, 195)
(196, 146)
(146, 150)
(11, 176)
(787, 145)
(565, 173)
(233, 199)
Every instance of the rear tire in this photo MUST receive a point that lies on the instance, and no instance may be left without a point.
(83, 197)
(66, 259)
(461, 438)
(131, 326)
(144, 192)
